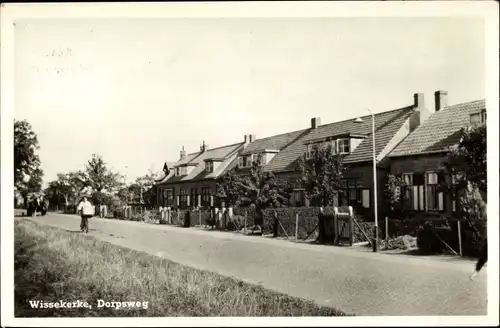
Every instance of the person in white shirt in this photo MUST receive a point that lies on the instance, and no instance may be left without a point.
(86, 211)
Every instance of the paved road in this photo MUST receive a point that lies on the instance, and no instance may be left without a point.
(358, 282)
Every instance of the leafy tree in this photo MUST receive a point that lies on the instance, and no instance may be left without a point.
(466, 170)
(227, 189)
(67, 187)
(467, 161)
(255, 188)
(101, 179)
(27, 173)
(393, 196)
(322, 174)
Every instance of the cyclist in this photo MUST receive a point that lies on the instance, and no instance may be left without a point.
(86, 211)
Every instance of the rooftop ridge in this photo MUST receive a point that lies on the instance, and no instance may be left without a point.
(368, 116)
(463, 103)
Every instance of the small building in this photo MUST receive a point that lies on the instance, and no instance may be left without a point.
(421, 157)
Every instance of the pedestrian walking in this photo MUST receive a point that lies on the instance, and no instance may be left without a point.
(86, 211)
(483, 258)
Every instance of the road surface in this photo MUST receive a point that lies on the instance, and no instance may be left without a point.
(352, 280)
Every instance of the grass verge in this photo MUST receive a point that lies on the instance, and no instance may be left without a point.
(53, 265)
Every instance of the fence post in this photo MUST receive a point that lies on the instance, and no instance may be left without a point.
(335, 225)
(459, 238)
(386, 233)
(245, 229)
(296, 226)
(351, 226)
(199, 217)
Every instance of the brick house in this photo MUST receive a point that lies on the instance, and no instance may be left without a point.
(353, 139)
(191, 181)
(420, 158)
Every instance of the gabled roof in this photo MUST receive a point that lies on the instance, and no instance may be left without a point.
(279, 143)
(198, 160)
(276, 142)
(386, 126)
(440, 131)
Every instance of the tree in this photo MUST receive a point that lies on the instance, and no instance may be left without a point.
(28, 176)
(467, 161)
(67, 187)
(322, 174)
(393, 195)
(466, 170)
(101, 180)
(255, 188)
(226, 188)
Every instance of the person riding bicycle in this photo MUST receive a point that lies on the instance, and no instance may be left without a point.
(86, 211)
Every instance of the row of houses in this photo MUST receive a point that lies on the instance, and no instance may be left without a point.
(413, 141)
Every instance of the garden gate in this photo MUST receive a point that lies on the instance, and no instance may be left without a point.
(343, 225)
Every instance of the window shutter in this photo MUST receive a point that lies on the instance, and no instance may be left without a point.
(421, 197)
(366, 198)
(440, 201)
(415, 198)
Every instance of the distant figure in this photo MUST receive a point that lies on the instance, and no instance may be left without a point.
(86, 212)
(483, 258)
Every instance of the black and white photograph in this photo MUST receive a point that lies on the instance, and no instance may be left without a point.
(250, 163)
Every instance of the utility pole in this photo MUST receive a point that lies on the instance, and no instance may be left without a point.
(375, 233)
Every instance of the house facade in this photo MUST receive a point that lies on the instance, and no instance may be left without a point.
(191, 181)
(421, 157)
(353, 139)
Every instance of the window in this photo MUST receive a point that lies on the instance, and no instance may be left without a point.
(434, 198)
(194, 197)
(407, 191)
(350, 193)
(343, 146)
(168, 197)
(297, 198)
(183, 199)
(245, 161)
(177, 171)
(263, 159)
(310, 151)
(475, 118)
(209, 166)
(205, 196)
(365, 198)
(483, 116)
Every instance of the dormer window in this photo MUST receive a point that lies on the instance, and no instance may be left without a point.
(478, 118)
(247, 160)
(343, 146)
(309, 151)
(209, 166)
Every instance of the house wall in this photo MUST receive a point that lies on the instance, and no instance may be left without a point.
(362, 174)
(177, 187)
(421, 164)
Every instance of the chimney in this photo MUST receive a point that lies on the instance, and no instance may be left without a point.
(203, 147)
(440, 99)
(315, 122)
(252, 137)
(418, 100)
(183, 153)
(246, 140)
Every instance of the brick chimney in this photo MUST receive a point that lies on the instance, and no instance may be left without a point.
(183, 153)
(252, 137)
(440, 99)
(315, 122)
(418, 100)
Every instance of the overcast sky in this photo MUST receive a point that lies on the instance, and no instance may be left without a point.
(136, 91)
